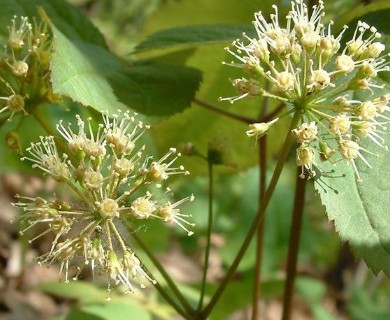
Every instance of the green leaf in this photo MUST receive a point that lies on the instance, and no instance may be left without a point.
(158, 89)
(375, 13)
(189, 36)
(113, 310)
(83, 291)
(360, 210)
(96, 78)
(83, 76)
(81, 315)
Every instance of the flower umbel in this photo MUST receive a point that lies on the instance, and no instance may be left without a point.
(25, 67)
(104, 168)
(306, 68)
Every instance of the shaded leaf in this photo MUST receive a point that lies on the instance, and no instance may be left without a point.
(195, 35)
(373, 13)
(158, 89)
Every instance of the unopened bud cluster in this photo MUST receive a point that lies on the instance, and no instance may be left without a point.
(307, 69)
(24, 71)
(107, 171)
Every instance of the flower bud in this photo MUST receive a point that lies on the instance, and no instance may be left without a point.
(258, 130)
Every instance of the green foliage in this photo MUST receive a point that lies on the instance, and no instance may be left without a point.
(76, 75)
(97, 78)
(202, 127)
(82, 67)
(362, 306)
(82, 291)
(197, 35)
(116, 311)
(360, 209)
(161, 77)
(93, 302)
(156, 89)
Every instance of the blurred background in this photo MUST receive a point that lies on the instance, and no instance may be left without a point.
(331, 284)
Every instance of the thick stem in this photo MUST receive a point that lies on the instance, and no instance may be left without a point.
(259, 216)
(260, 230)
(295, 235)
(208, 243)
(224, 112)
(171, 284)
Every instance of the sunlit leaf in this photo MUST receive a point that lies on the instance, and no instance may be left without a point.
(79, 71)
(360, 210)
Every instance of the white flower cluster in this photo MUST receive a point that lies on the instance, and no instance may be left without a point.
(307, 69)
(107, 172)
(27, 46)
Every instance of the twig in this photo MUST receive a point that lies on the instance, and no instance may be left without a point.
(209, 228)
(227, 113)
(295, 235)
(171, 284)
(260, 230)
(259, 216)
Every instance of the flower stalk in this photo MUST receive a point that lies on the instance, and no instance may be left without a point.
(295, 235)
(259, 216)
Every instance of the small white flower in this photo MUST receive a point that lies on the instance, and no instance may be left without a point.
(305, 158)
(258, 130)
(306, 133)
